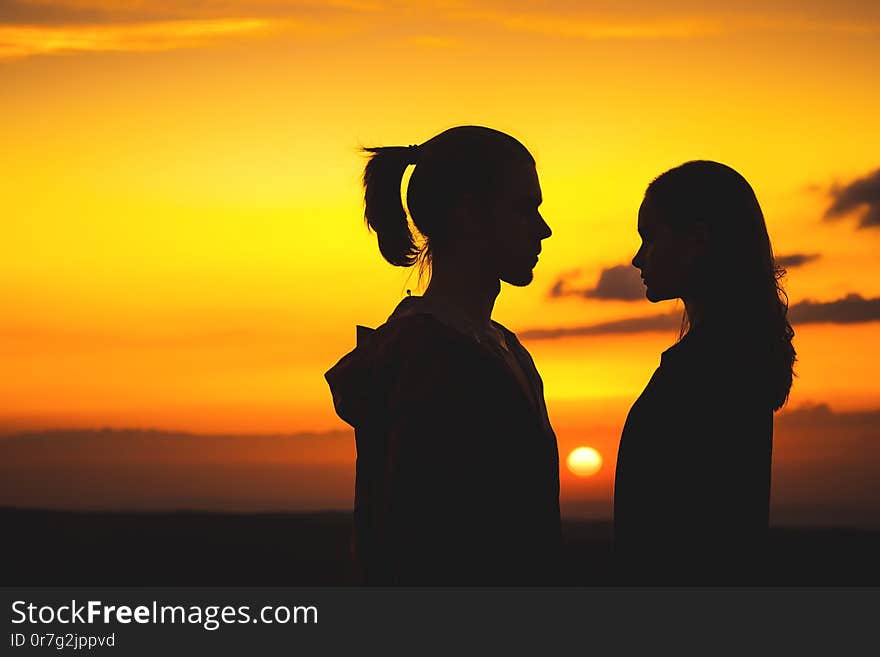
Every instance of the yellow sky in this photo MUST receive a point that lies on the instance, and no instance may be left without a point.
(183, 244)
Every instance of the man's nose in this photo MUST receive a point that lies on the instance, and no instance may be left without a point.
(545, 231)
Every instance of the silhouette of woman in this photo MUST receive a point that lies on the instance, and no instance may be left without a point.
(692, 488)
(457, 478)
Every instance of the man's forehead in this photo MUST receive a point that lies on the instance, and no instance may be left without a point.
(524, 182)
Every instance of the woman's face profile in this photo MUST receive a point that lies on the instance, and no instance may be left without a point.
(667, 258)
(517, 225)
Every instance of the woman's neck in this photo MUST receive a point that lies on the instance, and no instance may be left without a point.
(707, 318)
(466, 288)
(694, 312)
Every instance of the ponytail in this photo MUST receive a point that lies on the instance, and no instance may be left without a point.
(384, 211)
(465, 161)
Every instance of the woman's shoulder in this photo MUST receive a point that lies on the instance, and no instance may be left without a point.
(702, 352)
(707, 368)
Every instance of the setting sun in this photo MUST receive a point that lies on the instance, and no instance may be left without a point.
(584, 461)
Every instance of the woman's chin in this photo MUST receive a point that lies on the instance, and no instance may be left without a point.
(654, 296)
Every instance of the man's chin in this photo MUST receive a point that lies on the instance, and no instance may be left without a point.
(520, 279)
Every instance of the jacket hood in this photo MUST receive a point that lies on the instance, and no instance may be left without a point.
(356, 378)
(353, 378)
(349, 378)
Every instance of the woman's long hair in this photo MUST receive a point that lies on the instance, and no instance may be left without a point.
(465, 161)
(740, 293)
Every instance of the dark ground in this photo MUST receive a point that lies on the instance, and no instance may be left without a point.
(42, 548)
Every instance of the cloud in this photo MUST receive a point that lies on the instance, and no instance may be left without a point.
(665, 21)
(851, 309)
(30, 27)
(861, 195)
(821, 416)
(69, 13)
(618, 283)
(93, 12)
(598, 29)
(650, 324)
(792, 260)
(22, 41)
(31, 12)
(74, 23)
(623, 282)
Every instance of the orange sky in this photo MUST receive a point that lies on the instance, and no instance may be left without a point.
(183, 245)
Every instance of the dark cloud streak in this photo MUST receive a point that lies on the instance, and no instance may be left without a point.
(792, 260)
(617, 283)
(821, 415)
(851, 309)
(16, 12)
(623, 282)
(107, 12)
(649, 324)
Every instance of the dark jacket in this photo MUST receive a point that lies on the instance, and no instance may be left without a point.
(457, 476)
(692, 489)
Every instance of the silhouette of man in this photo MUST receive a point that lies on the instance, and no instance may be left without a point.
(457, 473)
